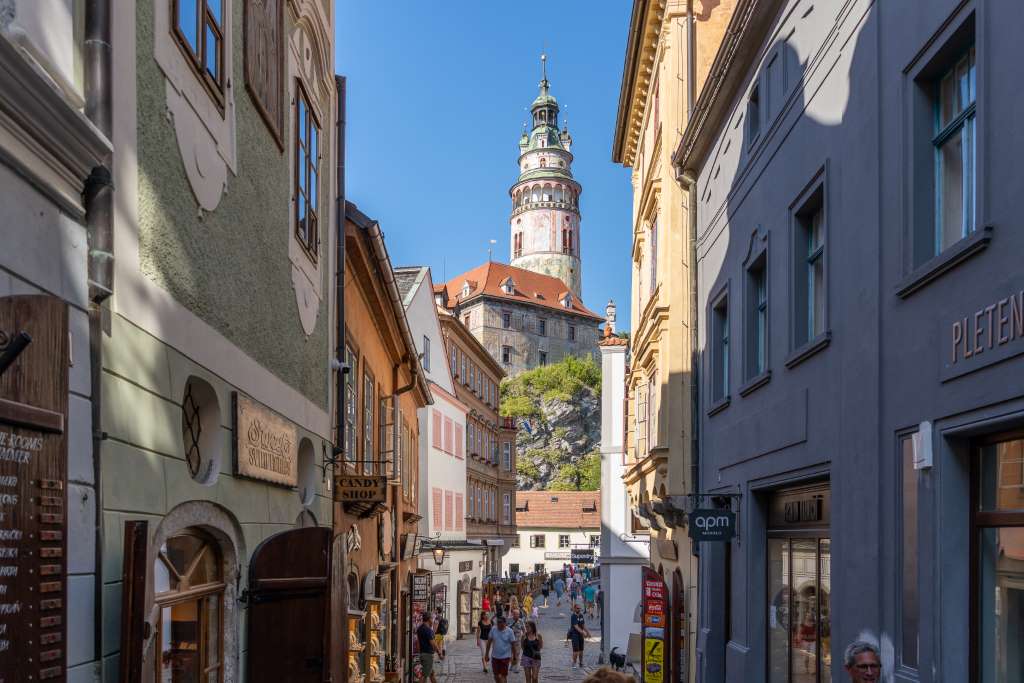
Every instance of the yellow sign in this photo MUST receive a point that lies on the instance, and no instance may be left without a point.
(654, 660)
(266, 444)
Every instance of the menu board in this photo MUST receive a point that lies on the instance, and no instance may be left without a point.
(654, 611)
(33, 495)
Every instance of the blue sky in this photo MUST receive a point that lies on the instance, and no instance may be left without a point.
(437, 95)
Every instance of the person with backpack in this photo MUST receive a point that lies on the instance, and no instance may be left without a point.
(439, 633)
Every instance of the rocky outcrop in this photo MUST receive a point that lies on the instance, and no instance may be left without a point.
(556, 446)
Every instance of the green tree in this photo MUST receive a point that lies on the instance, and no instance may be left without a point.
(583, 475)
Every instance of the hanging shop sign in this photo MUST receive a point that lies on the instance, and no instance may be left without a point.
(420, 586)
(266, 444)
(655, 611)
(712, 525)
(33, 487)
(582, 556)
(362, 489)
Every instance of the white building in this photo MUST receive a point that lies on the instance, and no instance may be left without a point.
(550, 524)
(625, 543)
(442, 463)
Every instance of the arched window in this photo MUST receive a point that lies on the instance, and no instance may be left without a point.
(558, 193)
(536, 193)
(189, 594)
(547, 196)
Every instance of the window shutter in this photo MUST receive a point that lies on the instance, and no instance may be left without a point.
(448, 424)
(448, 511)
(458, 512)
(458, 441)
(436, 495)
(436, 436)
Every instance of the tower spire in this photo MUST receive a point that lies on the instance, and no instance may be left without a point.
(544, 85)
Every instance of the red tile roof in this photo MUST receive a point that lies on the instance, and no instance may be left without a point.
(558, 509)
(530, 288)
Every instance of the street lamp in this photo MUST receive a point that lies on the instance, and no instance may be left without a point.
(438, 555)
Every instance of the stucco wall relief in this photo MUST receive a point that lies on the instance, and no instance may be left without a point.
(205, 132)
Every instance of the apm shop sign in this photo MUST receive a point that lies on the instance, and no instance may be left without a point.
(712, 525)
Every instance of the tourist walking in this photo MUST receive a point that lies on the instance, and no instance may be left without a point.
(577, 634)
(545, 590)
(440, 631)
(425, 639)
(863, 662)
(559, 589)
(531, 645)
(518, 626)
(589, 595)
(499, 650)
(483, 632)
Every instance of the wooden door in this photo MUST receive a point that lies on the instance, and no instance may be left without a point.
(292, 608)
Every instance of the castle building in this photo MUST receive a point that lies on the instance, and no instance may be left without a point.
(530, 312)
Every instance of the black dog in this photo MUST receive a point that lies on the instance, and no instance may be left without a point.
(617, 661)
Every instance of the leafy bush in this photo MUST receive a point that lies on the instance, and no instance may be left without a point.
(521, 395)
(583, 475)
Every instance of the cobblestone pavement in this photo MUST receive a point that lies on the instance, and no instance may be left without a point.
(462, 665)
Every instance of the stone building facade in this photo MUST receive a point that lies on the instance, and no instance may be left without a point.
(523, 319)
(489, 446)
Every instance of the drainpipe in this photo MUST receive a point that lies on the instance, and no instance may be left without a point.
(339, 272)
(98, 198)
(691, 60)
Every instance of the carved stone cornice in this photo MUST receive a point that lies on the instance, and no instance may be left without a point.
(41, 136)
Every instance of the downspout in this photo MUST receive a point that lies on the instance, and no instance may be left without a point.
(691, 59)
(98, 198)
(339, 273)
(691, 188)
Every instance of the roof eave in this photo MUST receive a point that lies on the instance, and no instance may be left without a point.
(633, 45)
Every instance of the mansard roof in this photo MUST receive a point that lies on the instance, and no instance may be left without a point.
(530, 288)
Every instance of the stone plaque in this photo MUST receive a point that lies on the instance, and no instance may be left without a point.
(33, 490)
(266, 444)
(264, 61)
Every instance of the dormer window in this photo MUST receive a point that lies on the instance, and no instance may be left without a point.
(508, 286)
(567, 300)
(466, 289)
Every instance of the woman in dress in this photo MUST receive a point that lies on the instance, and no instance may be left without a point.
(532, 644)
(483, 632)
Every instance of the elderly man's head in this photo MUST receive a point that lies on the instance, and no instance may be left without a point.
(863, 662)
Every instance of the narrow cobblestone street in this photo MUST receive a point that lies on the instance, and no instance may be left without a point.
(463, 661)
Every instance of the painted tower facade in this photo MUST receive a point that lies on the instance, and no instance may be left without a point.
(545, 220)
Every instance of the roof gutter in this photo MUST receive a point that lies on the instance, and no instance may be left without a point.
(380, 252)
(633, 44)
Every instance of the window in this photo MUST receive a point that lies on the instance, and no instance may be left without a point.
(537, 541)
(954, 142)
(753, 115)
(516, 542)
(572, 333)
(351, 405)
(654, 257)
(509, 287)
(449, 510)
(543, 357)
(506, 508)
(517, 247)
(506, 321)
(506, 354)
(454, 363)
(198, 26)
(449, 445)
(542, 327)
(426, 353)
(538, 566)
(720, 349)
(436, 496)
(810, 281)
(386, 437)
(563, 540)
(465, 377)
(595, 540)
(459, 513)
(368, 426)
(465, 321)
(307, 158)
(494, 449)
(567, 239)
(757, 319)
(189, 587)
(513, 568)
(999, 532)
(910, 612)
(507, 455)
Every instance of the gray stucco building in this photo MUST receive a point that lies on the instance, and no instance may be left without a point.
(861, 314)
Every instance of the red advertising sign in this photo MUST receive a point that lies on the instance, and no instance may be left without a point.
(654, 623)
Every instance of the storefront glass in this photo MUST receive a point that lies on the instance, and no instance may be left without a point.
(799, 588)
(1000, 524)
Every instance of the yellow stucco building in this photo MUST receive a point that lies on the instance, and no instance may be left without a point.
(670, 48)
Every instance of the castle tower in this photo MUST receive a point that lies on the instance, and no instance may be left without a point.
(545, 220)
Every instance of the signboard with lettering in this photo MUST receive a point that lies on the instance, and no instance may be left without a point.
(266, 444)
(361, 488)
(712, 525)
(420, 586)
(582, 556)
(978, 338)
(654, 607)
(33, 492)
